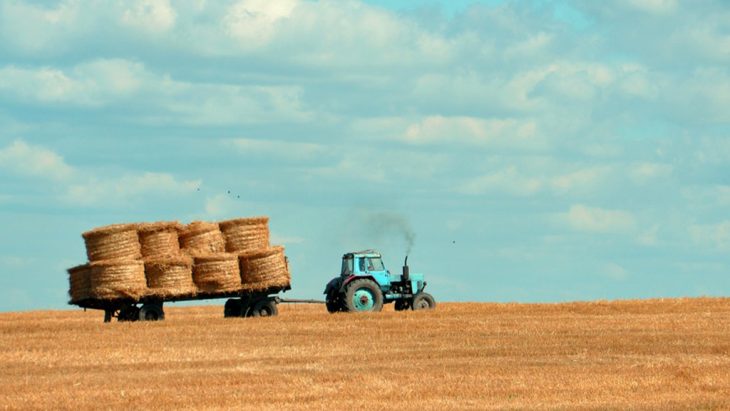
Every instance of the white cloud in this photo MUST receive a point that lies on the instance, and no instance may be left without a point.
(24, 159)
(508, 180)
(615, 272)
(599, 220)
(92, 83)
(654, 6)
(278, 148)
(470, 130)
(642, 173)
(715, 236)
(149, 15)
(128, 188)
(513, 180)
(254, 22)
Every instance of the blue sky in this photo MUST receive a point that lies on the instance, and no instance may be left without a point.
(538, 150)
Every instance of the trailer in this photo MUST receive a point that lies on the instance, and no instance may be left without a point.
(242, 303)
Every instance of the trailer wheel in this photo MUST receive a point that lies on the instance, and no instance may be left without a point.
(424, 301)
(362, 296)
(264, 308)
(402, 305)
(128, 313)
(233, 308)
(151, 312)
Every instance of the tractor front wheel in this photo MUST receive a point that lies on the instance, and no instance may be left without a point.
(402, 305)
(424, 301)
(362, 296)
(334, 304)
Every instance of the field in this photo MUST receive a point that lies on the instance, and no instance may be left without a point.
(654, 354)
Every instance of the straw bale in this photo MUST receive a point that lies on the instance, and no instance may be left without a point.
(159, 239)
(264, 269)
(217, 272)
(202, 238)
(79, 285)
(112, 279)
(170, 276)
(244, 235)
(117, 241)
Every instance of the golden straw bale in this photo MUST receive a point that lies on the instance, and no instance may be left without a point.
(170, 276)
(217, 272)
(79, 285)
(112, 242)
(244, 235)
(264, 269)
(159, 239)
(202, 238)
(112, 279)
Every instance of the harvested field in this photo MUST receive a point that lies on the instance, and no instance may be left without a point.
(658, 354)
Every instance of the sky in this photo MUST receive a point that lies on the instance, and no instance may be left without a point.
(533, 151)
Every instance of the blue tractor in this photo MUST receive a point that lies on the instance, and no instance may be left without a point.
(365, 285)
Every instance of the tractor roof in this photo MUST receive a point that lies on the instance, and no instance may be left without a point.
(363, 253)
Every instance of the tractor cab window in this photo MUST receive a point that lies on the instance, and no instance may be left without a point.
(347, 266)
(375, 264)
(371, 264)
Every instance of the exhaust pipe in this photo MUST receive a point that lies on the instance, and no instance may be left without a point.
(406, 271)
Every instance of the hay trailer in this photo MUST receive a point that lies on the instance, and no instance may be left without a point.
(261, 303)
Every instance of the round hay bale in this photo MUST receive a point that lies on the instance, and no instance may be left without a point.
(216, 273)
(264, 269)
(202, 238)
(112, 279)
(79, 285)
(244, 235)
(113, 242)
(159, 239)
(170, 276)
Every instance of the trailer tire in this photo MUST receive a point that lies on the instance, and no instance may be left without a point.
(233, 308)
(151, 312)
(128, 313)
(264, 308)
(362, 296)
(424, 301)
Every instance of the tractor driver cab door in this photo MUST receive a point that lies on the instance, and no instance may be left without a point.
(374, 267)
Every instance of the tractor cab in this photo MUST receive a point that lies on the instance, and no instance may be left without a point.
(365, 284)
(368, 263)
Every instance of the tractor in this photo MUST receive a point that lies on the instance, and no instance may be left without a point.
(365, 285)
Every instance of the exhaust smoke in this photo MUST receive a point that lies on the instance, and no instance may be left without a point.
(386, 224)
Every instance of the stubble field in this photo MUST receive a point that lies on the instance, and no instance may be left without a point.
(654, 354)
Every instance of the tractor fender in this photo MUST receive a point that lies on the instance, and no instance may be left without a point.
(333, 285)
(352, 278)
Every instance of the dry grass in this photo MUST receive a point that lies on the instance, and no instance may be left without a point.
(660, 354)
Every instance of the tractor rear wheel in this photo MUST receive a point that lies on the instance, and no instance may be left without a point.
(362, 296)
(424, 301)
(264, 308)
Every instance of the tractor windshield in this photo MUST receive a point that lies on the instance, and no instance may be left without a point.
(346, 266)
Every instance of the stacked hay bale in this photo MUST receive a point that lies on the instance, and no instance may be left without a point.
(169, 272)
(217, 273)
(202, 238)
(79, 282)
(115, 268)
(261, 265)
(264, 269)
(168, 260)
